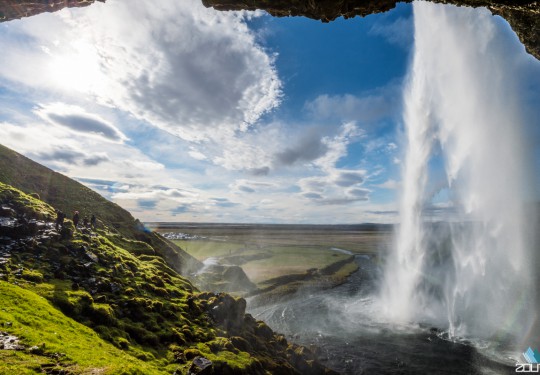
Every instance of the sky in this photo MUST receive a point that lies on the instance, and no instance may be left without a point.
(181, 113)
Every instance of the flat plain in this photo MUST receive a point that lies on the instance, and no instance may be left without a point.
(268, 253)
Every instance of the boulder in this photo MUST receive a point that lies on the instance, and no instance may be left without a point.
(201, 366)
(227, 311)
(6, 211)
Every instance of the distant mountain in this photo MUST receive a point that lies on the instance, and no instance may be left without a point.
(69, 196)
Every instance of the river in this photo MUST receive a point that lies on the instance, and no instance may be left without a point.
(352, 338)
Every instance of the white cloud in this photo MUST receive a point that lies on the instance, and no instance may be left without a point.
(346, 178)
(337, 145)
(72, 156)
(156, 193)
(249, 186)
(338, 187)
(368, 108)
(309, 146)
(388, 184)
(78, 120)
(391, 146)
(242, 153)
(197, 155)
(399, 31)
(192, 71)
(313, 184)
(197, 74)
(277, 146)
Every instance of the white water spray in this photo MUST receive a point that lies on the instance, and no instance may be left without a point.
(471, 276)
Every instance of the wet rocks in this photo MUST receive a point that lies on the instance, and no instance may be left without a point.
(9, 342)
(19, 227)
(247, 334)
(7, 211)
(226, 311)
(12, 228)
(91, 256)
(200, 366)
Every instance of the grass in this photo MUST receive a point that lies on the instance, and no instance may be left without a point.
(356, 241)
(287, 260)
(37, 323)
(270, 253)
(279, 260)
(203, 249)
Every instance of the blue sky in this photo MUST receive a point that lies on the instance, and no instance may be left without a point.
(181, 113)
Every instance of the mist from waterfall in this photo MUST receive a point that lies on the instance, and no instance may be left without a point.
(470, 274)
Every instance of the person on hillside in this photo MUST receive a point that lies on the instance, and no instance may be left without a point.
(85, 222)
(76, 219)
(60, 216)
(93, 221)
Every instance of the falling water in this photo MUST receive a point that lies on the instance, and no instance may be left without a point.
(471, 275)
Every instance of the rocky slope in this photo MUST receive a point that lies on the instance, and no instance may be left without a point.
(69, 196)
(65, 290)
(522, 15)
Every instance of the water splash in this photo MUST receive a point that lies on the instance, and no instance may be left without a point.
(471, 275)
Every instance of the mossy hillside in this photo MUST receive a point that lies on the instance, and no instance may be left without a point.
(25, 204)
(56, 341)
(68, 195)
(135, 301)
(103, 285)
(60, 191)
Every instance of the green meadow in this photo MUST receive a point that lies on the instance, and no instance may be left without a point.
(266, 253)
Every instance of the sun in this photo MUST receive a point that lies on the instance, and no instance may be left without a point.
(75, 66)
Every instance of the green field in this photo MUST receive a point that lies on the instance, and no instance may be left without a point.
(269, 253)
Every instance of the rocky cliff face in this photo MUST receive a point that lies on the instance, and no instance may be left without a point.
(14, 9)
(522, 15)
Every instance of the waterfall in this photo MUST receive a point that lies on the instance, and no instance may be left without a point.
(469, 274)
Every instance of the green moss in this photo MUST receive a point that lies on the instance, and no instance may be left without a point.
(102, 313)
(32, 275)
(21, 363)
(192, 353)
(238, 361)
(25, 204)
(36, 322)
(135, 247)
